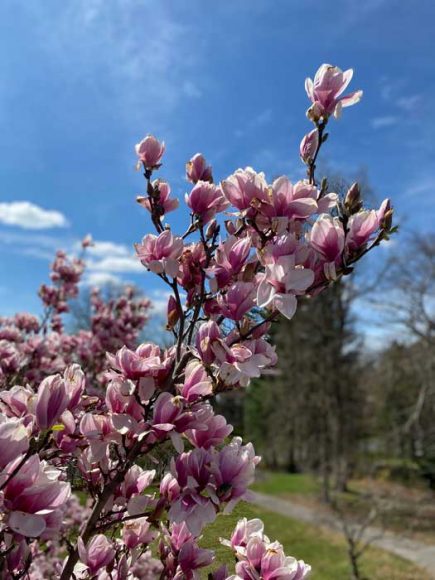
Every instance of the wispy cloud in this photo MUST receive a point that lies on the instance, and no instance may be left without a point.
(29, 216)
(382, 122)
(421, 187)
(409, 103)
(263, 118)
(139, 49)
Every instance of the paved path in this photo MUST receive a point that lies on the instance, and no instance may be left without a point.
(421, 554)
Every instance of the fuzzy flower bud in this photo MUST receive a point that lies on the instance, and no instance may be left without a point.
(309, 145)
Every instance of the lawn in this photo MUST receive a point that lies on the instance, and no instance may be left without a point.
(325, 551)
(285, 484)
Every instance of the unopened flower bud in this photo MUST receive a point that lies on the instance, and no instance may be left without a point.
(173, 313)
(211, 229)
(309, 145)
(352, 200)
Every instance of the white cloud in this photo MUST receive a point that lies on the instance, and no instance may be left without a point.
(27, 215)
(117, 264)
(381, 122)
(159, 301)
(103, 249)
(102, 279)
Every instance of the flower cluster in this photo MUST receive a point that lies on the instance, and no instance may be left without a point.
(32, 348)
(258, 557)
(251, 251)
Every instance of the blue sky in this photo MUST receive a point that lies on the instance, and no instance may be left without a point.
(81, 81)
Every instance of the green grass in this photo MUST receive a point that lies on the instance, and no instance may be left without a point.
(325, 551)
(283, 484)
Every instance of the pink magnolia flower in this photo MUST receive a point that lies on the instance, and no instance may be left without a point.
(245, 530)
(160, 254)
(207, 336)
(97, 554)
(213, 432)
(280, 284)
(198, 170)
(206, 200)
(99, 432)
(145, 361)
(137, 532)
(309, 146)
(238, 300)
(14, 439)
(233, 468)
(231, 255)
(150, 151)
(191, 557)
(329, 83)
(193, 506)
(164, 201)
(241, 362)
(75, 382)
(292, 201)
(169, 488)
(15, 402)
(363, 225)
(32, 495)
(170, 419)
(327, 238)
(196, 384)
(274, 563)
(246, 190)
(51, 401)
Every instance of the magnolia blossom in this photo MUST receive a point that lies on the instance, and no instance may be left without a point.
(246, 190)
(324, 92)
(327, 237)
(33, 497)
(292, 201)
(196, 383)
(238, 300)
(198, 170)
(363, 225)
(51, 401)
(205, 200)
(231, 255)
(97, 554)
(150, 151)
(14, 439)
(160, 253)
(280, 284)
(164, 202)
(257, 557)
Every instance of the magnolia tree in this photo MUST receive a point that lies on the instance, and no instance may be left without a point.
(250, 251)
(32, 348)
